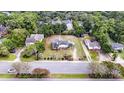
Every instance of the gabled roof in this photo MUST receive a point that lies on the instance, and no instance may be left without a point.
(34, 37)
(92, 44)
(57, 43)
(2, 28)
(117, 45)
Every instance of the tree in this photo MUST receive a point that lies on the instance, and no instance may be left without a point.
(9, 44)
(22, 67)
(78, 30)
(104, 70)
(18, 37)
(100, 31)
(39, 48)
(46, 29)
(26, 20)
(29, 51)
(3, 18)
(3, 50)
(40, 73)
(118, 33)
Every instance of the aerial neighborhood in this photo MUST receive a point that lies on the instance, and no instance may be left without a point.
(58, 44)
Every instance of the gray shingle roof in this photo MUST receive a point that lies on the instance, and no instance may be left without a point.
(117, 46)
(2, 28)
(34, 37)
(57, 43)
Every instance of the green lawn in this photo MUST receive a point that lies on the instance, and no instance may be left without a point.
(32, 58)
(59, 76)
(94, 55)
(60, 53)
(69, 76)
(7, 75)
(11, 57)
(122, 54)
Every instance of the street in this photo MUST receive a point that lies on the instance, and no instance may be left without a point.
(53, 67)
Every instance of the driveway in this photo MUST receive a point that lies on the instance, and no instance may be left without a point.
(86, 52)
(104, 57)
(119, 60)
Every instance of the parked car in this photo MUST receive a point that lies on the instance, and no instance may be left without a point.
(11, 70)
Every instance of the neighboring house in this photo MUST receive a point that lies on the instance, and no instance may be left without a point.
(3, 31)
(60, 44)
(7, 13)
(68, 24)
(117, 46)
(92, 45)
(56, 22)
(33, 38)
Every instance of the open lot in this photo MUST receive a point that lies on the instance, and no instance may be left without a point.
(76, 51)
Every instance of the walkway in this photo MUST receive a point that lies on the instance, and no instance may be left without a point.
(75, 54)
(18, 54)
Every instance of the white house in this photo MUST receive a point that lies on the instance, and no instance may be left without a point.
(92, 45)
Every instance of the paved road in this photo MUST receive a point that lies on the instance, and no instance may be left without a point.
(53, 67)
(4, 66)
(63, 67)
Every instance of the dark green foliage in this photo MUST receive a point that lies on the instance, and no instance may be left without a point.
(9, 44)
(106, 70)
(3, 50)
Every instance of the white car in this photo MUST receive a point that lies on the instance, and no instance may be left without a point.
(11, 70)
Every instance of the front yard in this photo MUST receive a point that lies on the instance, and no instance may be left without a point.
(59, 54)
(76, 52)
(122, 54)
(11, 57)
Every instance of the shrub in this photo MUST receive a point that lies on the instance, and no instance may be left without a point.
(40, 73)
(3, 51)
(23, 75)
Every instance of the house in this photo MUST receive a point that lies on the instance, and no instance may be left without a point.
(33, 38)
(60, 44)
(3, 30)
(54, 22)
(68, 24)
(92, 45)
(7, 13)
(117, 46)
